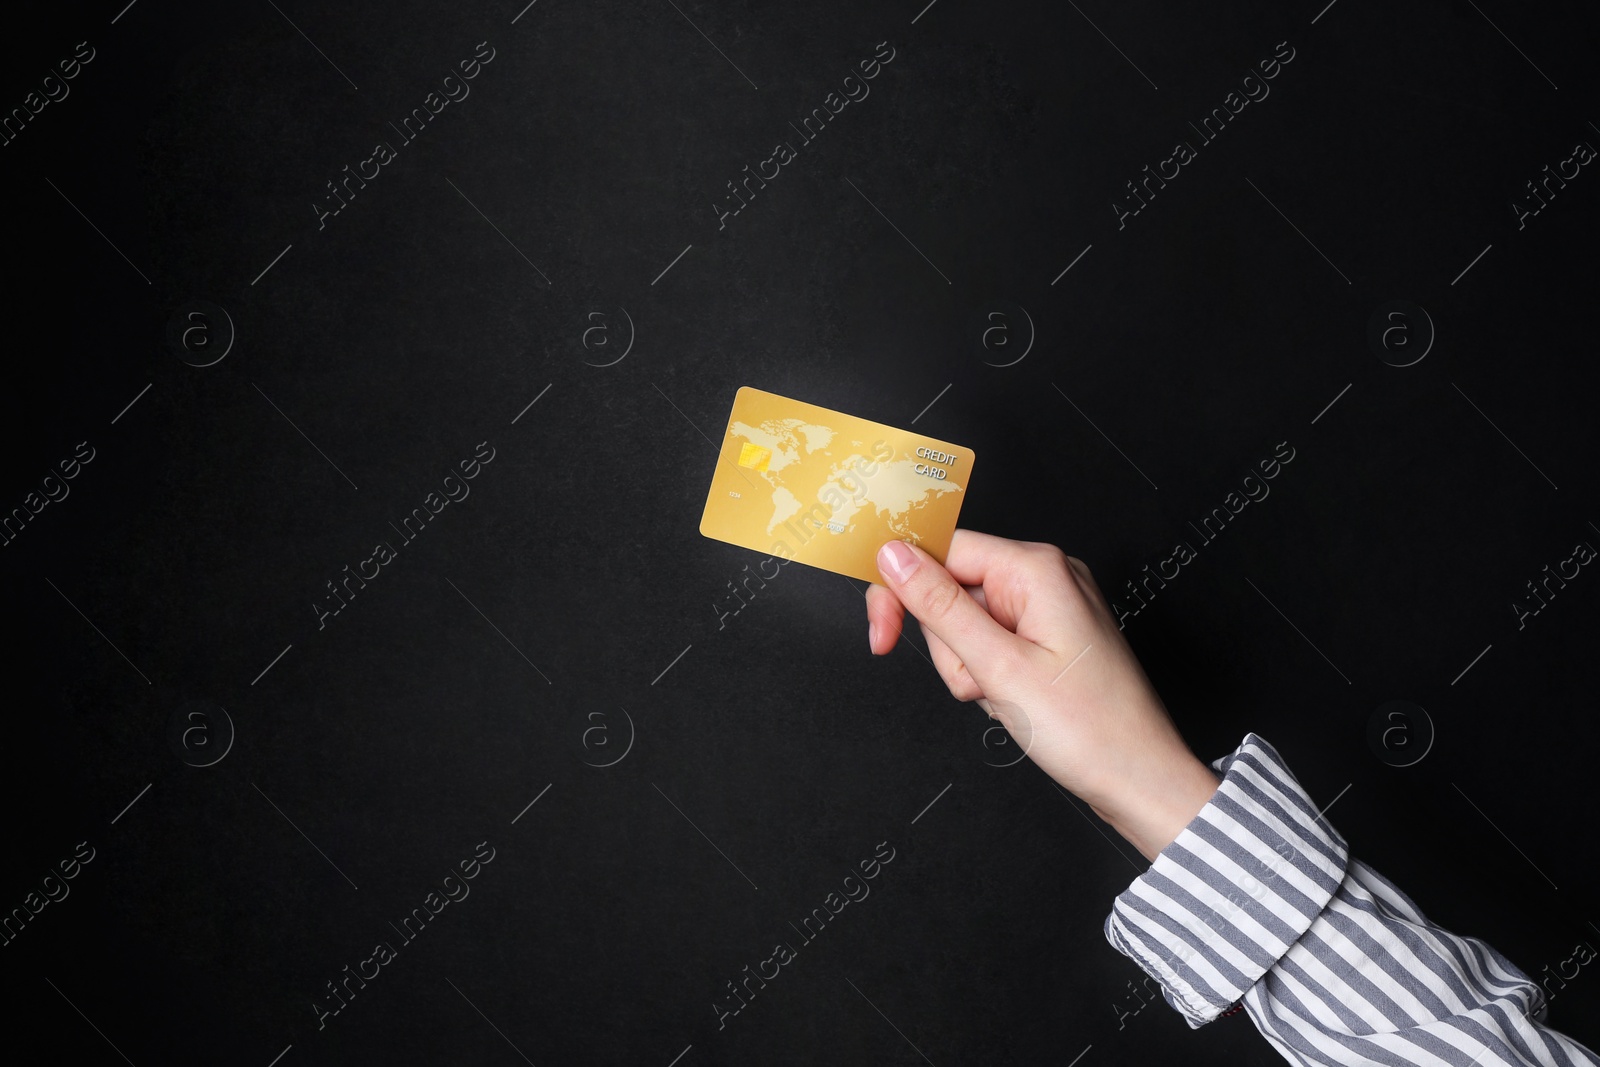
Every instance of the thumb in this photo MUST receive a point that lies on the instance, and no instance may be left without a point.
(988, 650)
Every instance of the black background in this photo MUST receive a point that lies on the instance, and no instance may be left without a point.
(410, 327)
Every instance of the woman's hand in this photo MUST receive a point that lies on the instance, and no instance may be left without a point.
(1022, 629)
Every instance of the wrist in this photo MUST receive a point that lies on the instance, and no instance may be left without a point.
(1151, 814)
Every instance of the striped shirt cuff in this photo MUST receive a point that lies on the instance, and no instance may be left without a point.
(1238, 887)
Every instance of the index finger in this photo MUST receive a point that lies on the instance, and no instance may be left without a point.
(1032, 578)
(973, 554)
(886, 616)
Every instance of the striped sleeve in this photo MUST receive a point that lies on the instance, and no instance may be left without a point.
(1258, 902)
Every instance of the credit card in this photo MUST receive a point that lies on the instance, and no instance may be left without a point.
(826, 489)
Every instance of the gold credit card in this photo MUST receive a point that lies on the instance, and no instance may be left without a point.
(801, 482)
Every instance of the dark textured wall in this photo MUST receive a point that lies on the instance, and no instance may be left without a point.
(254, 783)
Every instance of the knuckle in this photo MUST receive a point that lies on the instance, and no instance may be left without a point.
(963, 688)
(1056, 559)
(1044, 550)
(940, 599)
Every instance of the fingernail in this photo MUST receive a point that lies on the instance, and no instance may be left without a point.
(897, 561)
(872, 635)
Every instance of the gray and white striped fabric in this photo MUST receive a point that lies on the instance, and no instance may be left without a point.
(1258, 901)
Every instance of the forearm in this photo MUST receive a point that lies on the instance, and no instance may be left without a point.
(1427, 996)
(1258, 901)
